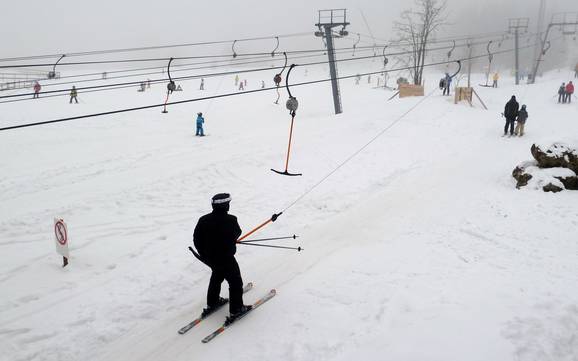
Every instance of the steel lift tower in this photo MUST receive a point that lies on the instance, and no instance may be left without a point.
(516, 26)
(329, 19)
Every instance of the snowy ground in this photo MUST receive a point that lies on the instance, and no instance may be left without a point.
(420, 248)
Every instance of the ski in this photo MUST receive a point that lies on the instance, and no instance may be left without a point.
(198, 320)
(226, 325)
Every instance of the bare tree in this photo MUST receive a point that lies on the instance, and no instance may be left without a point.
(415, 30)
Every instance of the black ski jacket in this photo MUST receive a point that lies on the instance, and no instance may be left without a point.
(215, 237)
(522, 116)
(511, 109)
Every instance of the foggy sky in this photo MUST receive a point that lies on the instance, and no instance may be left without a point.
(75, 25)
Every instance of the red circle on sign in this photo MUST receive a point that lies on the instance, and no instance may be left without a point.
(60, 232)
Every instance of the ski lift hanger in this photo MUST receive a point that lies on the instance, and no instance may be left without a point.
(276, 47)
(52, 74)
(171, 86)
(385, 60)
(233, 48)
(459, 68)
(452, 49)
(292, 105)
(355, 45)
(278, 79)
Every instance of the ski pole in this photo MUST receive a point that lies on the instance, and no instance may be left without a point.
(298, 249)
(268, 239)
(197, 256)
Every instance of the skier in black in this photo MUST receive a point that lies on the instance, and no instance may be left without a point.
(511, 112)
(215, 238)
(562, 93)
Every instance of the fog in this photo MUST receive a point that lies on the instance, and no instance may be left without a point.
(69, 26)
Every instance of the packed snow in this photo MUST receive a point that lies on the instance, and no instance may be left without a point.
(418, 248)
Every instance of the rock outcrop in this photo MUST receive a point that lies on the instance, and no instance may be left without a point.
(553, 170)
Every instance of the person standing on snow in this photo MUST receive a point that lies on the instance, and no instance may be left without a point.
(73, 94)
(202, 87)
(447, 84)
(569, 92)
(511, 112)
(37, 88)
(200, 121)
(562, 93)
(495, 78)
(521, 121)
(215, 238)
(236, 79)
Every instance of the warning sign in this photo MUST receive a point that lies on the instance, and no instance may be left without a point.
(61, 237)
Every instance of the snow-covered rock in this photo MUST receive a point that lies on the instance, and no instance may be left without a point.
(546, 179)
(553, 170)
(556, 155)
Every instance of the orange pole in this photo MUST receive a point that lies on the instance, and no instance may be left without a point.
(166, 101)
(254, 230)
(272, 219)
(289, 146)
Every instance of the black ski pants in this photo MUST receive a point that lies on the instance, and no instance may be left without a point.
(229, 271)
(446, 90)
(509, 123)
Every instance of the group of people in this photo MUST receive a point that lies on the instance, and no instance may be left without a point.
(565, 93)
(242, 84)
(513, 115)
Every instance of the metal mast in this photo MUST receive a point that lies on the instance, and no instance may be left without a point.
(329, 19)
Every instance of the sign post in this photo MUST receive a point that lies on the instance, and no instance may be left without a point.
(61, 239)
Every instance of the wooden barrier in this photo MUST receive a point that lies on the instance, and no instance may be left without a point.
(410, 90)
(463, 93)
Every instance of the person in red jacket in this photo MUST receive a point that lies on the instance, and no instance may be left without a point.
(569, 92)
(37, 88)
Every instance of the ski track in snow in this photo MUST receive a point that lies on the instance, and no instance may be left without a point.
(419, 248)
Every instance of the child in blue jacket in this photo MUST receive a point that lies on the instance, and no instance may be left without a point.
(200, 121)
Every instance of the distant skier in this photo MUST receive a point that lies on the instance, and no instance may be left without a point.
(37, 88)
(241, 87)
(236, 80)
(562, 93)
(369, 79)
(495, 78)
(511, 112)
(521, 121)
(262, 84)
(357, 79)
(215, 238)
(447, 84)
(73, 95)
(245, 83)
(200, 121)
(202, 87)
(569, 92)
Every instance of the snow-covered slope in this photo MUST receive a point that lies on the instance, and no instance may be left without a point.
(420, 247)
